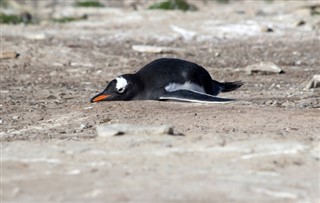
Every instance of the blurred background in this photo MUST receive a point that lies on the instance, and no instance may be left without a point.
(36, 11)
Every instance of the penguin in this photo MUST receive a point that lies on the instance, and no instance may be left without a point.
(167, 79)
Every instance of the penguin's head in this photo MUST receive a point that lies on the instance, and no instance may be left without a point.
(123, 88)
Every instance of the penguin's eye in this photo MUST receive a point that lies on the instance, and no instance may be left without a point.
(120, 90)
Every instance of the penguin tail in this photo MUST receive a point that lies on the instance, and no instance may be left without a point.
(230, 86)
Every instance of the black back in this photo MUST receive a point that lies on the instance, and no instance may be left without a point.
(161, 72)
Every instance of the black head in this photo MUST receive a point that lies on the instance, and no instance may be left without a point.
(123, 88)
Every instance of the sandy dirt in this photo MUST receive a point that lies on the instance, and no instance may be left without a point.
(262, 148)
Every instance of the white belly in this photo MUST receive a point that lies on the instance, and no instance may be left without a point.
(186, 86)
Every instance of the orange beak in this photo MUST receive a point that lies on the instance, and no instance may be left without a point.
(99, 98)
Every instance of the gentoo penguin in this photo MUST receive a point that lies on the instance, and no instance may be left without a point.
(167, 79)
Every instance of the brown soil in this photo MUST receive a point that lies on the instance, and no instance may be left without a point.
(263, 147)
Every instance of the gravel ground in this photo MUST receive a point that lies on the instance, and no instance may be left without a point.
(262, 148)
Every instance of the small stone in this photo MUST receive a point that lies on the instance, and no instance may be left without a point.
(9, 55)
(74, 172)
(300, 23)
(156, 49)
(266, 29)
(127, 129)
(58, 64)
(51, 97)
(303, 105)
(85, 126)
(297, 63)
(271, 102)
(39, 36)
(105, 120)
(287, 104)
(314, 82)
(265, 67)
(81, 64)
(185, 34)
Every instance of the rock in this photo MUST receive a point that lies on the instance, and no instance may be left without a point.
(271, 102)
(58, 64)
(300, 23)
(81, 64)
(74, 172)
(314, 82)
(9, 55)
(186, 34)
(156, 49)
(297, 63)
(308, 10)
(15, 117)
(122, 129)
(51, 97)
(303, 104)
(39, 36)
(85, 126)
(265, 67)
(266, 29)
(315, 9)
(288, 104)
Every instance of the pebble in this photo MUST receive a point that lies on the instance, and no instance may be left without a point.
(266, 67)
(127, 129)
(156, 49)
(300, 23)
(81, 64)
(271, 102)
(186, 34)
(74, 172)
(58, 64)
(85, 126)
(303, 105)
(266, 29)
(39, 36)
(51, 97)
(9, 55)
(288, 104)
(297, 63)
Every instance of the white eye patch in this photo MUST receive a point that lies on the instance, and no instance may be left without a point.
(121, 84)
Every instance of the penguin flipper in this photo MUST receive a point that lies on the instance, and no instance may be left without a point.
(193, 96)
